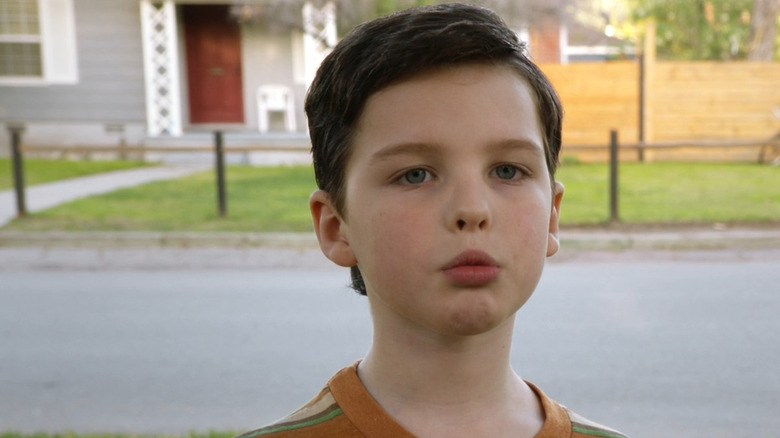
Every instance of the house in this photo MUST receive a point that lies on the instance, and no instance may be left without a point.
(166, 73)
(555, 38)
(144, 72)
(588, 44)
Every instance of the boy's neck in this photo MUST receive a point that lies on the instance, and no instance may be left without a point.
(422, 362)
(437, 377)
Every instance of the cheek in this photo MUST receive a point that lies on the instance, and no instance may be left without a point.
(529, 226)
(390, 241)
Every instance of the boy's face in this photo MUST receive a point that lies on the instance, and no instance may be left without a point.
(449, 208)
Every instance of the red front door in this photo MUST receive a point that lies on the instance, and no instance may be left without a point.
(213, 43)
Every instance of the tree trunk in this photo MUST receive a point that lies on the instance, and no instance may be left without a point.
(764, 30)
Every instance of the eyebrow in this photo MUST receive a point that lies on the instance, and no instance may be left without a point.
(427, 149)
(518, 143)
(405, 148)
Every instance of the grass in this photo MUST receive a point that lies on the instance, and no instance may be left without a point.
(43, 171)
(259, 199)
(667, 193)
(275, 199)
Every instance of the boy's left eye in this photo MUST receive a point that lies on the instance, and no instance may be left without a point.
(416, 176)
(506, 171)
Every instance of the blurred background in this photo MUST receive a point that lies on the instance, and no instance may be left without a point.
(158, 270)
(151, 76)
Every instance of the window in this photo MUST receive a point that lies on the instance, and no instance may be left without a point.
(37, 42)
(20, 39)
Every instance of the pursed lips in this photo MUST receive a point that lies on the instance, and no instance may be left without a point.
(472, 268)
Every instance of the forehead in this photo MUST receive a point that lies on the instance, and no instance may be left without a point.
(483, 102)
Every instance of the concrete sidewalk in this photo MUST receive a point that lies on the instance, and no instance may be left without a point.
(96, 251)
(45, 196)
(185, 250)
(701, 238)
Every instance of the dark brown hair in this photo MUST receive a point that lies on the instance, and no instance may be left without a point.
(391, 49)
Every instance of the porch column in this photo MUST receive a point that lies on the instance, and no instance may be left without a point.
(161, 67)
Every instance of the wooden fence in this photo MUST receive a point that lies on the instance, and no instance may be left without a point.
(733, 108)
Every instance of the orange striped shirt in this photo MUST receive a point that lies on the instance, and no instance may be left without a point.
(345, 409)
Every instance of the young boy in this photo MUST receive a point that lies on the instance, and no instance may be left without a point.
(435, 143)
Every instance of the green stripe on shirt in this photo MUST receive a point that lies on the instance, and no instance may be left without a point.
(595, 432)
(300, 425)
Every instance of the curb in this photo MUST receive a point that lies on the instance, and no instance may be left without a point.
(574, 240)
(679, 240)
(176, 240)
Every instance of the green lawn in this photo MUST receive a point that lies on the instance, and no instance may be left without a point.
(43, 171)
(275, 199)
(673, 193)
(259, 199)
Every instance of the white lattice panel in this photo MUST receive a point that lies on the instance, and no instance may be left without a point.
(163, 105)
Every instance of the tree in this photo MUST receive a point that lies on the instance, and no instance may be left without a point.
(284, 15)
(763, 35)
(711, 29)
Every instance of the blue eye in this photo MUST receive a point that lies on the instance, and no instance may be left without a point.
(416, 176)
(506, 172)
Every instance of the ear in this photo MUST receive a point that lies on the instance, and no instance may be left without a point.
(330, 228)
(553, 243)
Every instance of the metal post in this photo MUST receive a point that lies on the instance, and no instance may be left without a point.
(119, 129)
(18, 169)
(220, 162)
(613, 177)
(642, 97)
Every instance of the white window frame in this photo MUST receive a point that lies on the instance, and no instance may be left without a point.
(58, 46)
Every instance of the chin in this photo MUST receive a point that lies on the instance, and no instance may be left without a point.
(475, 320)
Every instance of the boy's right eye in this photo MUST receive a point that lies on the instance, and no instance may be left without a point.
(416, 176)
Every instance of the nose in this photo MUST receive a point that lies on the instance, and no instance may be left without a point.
(469, 208)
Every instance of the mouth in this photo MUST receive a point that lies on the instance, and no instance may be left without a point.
(472, 268)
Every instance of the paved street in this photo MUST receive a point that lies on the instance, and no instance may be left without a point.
(670, 346)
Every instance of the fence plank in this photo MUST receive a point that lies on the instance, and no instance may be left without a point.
(687, 101)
